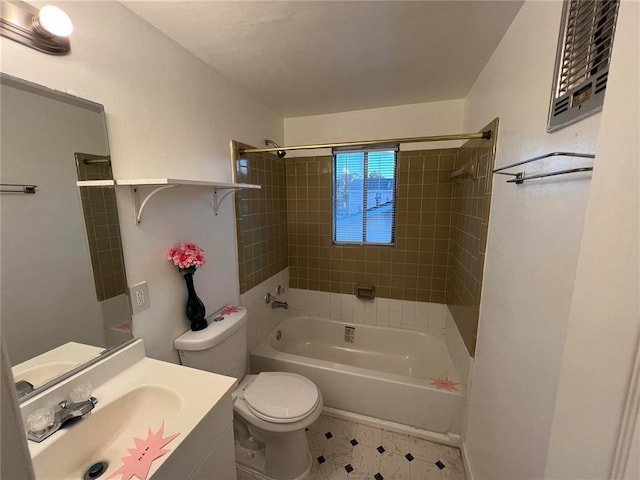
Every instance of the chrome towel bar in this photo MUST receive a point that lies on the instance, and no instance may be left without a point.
(521, 177)
(17, 188)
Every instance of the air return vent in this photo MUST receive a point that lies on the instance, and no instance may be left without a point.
(582, 60)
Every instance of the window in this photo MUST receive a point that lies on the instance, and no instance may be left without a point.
(364, 195)
(582, 60)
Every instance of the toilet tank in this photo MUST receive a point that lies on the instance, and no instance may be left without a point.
(219, 348)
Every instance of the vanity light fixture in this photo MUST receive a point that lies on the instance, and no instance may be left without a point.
(46, 30)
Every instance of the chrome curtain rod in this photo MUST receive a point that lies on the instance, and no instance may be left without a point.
(486, 135)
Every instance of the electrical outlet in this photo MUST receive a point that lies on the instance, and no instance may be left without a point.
(139, 296)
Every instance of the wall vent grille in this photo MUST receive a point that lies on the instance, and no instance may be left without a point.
(582, 60)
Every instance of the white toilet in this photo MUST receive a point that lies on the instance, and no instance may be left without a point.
(271, 409)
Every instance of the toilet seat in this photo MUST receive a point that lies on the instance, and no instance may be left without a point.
(281, 397)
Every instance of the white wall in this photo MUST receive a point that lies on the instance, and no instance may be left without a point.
(604, 323)
(532, 253)
(168, 114)
(417, 120)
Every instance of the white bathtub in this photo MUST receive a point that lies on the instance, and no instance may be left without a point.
(386, 373)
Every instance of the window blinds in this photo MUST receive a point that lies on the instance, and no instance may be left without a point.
(364, 192)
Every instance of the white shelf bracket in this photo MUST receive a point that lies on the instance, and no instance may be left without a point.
(218, 201)
(139, 206)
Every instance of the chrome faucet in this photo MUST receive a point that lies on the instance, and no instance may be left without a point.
(279, 304)
(44, 422)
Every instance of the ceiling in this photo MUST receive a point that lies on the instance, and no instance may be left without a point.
(313, 57)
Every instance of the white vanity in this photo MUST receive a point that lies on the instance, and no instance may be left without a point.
(148, 400)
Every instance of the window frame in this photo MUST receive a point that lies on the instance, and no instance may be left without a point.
(395, 148)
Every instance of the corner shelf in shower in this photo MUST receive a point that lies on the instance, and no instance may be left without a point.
(156, 185)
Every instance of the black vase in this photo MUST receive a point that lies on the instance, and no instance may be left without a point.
(195, 307)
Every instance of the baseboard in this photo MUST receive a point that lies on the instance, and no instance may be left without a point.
(449, 439)
(466, 461)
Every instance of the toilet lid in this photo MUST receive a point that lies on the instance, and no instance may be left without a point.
(281, 397)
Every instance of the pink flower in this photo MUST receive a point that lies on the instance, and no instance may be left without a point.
(188, 256)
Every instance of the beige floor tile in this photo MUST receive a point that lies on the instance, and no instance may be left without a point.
(343, 429)
(365, 459)
(322, 425)
(449, 473)
(417, 469)
(437, 452)
(333, 472)
(452, 458)
(368, 435)
(358, 475)
(432, 472)
(394, 466)
(419, 448)
(338, 452)
(395, 442)
(317, 443)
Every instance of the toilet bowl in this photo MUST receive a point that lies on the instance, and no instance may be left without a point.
(271, 409)
(276, 408)
(277, 401)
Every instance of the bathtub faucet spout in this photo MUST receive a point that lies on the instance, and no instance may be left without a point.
(278, 304)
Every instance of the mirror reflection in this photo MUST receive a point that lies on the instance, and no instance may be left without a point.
(64, 292)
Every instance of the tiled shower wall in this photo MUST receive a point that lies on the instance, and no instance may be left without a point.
(103, 229)
(261, 218)
(415, 269)
(468, 243)
(440, 233)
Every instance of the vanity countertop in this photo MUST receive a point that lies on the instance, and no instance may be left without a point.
(147, 399)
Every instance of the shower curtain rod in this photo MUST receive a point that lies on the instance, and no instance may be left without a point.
(486, 135)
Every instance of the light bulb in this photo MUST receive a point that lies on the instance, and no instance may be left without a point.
(55, 21)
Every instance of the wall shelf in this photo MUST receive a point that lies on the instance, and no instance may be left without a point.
(156, 185)
(95, 183)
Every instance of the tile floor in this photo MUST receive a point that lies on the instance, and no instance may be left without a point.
(344, 450)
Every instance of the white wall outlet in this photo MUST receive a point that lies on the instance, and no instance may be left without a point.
(139, 296)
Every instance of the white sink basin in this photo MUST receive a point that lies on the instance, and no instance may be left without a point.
(105, 435)
(134, 402)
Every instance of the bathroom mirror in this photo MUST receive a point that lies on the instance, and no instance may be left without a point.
(64, 292)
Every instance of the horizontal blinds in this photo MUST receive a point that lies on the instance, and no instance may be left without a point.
(348, 195)
(379, 197)
(364, 196)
